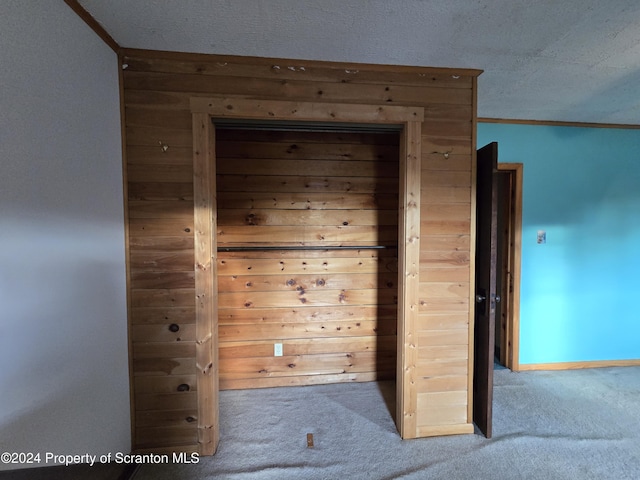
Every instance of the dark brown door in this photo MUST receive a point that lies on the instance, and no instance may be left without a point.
(485, 311)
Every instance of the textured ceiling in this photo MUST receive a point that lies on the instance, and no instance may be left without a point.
(562, 60)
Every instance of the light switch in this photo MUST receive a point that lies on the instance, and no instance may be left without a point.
(542, 236)
(277, 349)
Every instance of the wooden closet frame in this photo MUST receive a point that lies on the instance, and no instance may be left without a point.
(409, 122)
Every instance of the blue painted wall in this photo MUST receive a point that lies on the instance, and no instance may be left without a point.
(580, 292)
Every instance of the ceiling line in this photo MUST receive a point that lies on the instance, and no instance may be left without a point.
(93, 24)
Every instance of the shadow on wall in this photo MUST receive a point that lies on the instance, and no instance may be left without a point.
(64, 346)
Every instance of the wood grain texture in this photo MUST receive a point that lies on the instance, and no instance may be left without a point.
(326, 307)
(306, 111)
(408, 278)
(345, 173)
(205, 283)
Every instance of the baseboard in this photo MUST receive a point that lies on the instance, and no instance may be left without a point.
(578, 365)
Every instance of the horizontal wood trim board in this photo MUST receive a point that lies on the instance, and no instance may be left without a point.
(299, 91)
(380, 70)
(303, 89)
(579, 365)
(304, 111)
(288, 69)
(556, 123)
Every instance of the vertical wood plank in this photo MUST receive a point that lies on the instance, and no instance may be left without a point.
(127, 246)
(204, 177)
(472, 252)
(408, 279)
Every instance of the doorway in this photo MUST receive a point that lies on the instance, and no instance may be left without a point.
(408, 122)
(509, 242)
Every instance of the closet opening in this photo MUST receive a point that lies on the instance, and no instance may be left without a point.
(306, 231)
(307, 247)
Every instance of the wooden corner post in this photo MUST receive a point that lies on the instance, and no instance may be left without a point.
(204, 197)
(408, 279)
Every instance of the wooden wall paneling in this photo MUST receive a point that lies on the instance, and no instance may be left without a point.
(274, 296)
(127, 243)
(445, 279)
(158, 88)
(205, 247)
(305, 111)
(289, 69)
(273, 89)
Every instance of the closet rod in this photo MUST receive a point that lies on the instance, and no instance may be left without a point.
(302, 247)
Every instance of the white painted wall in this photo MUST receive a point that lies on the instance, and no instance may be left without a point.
(63, 330)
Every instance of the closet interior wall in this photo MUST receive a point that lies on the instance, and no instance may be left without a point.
(307, 256)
